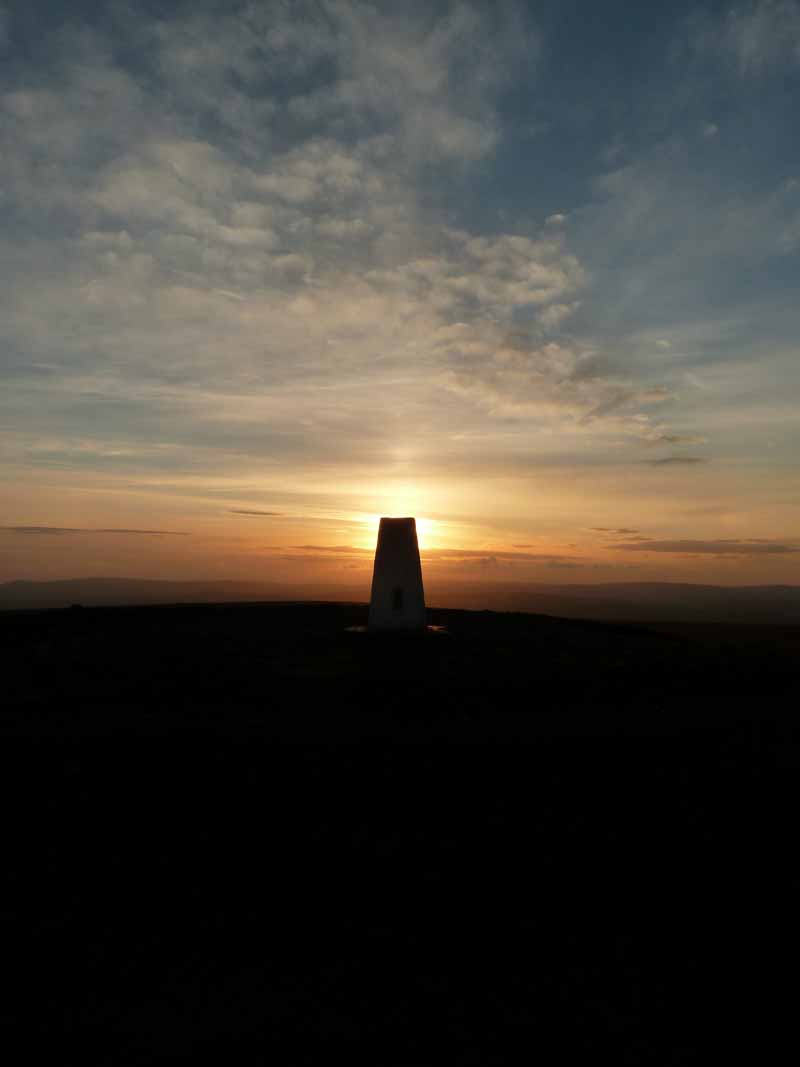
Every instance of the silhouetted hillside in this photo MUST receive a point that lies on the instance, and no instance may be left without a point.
(304, 667)
(637, 601)
(248, 833)
(22, 595)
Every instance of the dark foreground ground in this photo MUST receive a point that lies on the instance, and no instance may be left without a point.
(245, 834)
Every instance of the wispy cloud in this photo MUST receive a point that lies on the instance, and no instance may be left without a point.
(729, 547)
(461, 554)
(58, 530)
(756, 36)
(301, 249)
(339, 550)
(658, 436)
(246, 511)
(677, 461)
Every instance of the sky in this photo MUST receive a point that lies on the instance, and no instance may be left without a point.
(527, 271)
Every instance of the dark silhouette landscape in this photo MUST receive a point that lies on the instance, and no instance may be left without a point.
(622, 601)
(252, 831)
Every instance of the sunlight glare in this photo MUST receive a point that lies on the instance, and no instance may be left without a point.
(426, 529)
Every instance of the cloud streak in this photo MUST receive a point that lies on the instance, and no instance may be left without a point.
(677, 461)
(246, 511)
(722, 547)
(59, 530)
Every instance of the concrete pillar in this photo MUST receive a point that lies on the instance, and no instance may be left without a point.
(398, 599)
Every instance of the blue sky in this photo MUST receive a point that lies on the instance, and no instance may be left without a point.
(526, 270)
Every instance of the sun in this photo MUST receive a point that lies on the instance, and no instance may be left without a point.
(425, 532)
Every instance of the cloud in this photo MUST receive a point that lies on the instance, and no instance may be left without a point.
(620, 396)
(716, 548)
(492, 560)
(759, 35)
(456, 554)
(471, 277)
(308, 268)
(286, 223)
(336, 549)
(180, 240)
(659, 436)
(673, 248)
(59, 530)
(552, 317)
(611, 530)
(363, 70)
(425, 77)
(353, 563)
(245, 511)
(438, 555)
(513, 375)
(677, 461)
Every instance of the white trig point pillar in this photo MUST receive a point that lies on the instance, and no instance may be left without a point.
(398, 599)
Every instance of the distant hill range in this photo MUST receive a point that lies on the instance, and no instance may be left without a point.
(93, 592)
(641, 601)
(635, 601)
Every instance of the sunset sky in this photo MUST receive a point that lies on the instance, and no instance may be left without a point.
(527, 271)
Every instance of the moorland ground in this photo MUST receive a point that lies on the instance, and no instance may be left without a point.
(252, 833)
